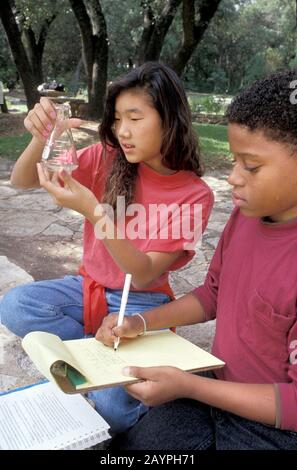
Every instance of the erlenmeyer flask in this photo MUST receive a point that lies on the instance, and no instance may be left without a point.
(59, 151)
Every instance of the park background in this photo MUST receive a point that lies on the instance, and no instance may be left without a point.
(218, 47)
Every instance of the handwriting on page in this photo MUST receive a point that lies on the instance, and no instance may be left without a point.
(104, 357)
(100, 362)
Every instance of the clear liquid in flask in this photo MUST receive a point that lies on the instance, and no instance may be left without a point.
(59, 151)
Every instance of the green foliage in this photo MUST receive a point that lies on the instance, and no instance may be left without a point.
(219, 80)
(124, 27)
(11, 146)
(210, 104)
(246, 40)
(32, 15)
(254, 68)
(7, 66)
(195, 104)
(62, 55)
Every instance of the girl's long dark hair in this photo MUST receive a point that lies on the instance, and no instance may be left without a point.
(180, 148)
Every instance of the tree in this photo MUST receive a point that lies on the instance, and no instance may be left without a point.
(62, 58)
(246, 40)
(22, 62)
(27, 51)
(34, 44)
(93, 31)
(196, 18)
(193, 30)
(7, 66)
(155, 28)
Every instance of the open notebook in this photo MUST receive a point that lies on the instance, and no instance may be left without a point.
(43, 417)
(86, 364)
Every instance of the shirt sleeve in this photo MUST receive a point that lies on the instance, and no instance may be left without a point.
(207, 293)
(287, 409)
(189, 224)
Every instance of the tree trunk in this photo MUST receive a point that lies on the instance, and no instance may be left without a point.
(148, 28)
(34, 54)
(193, 30)
(74, 84)
(35, 48)
(19, 54)
(155, 29)
(3, 106)
(93, 30)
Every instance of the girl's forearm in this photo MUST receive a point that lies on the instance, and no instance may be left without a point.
(251, 401)
(129, 258)
(24, 174)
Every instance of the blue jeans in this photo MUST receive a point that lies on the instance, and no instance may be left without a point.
(56, 306)
(190, 425)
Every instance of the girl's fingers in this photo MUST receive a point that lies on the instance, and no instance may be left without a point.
(46, 173)
(34, 125)
(42, 173)
(50, 182)
(41, 119)
(33, 130)
(45, 177)
(55, 179)
(74, 122)
(48, 108)
(46, 121)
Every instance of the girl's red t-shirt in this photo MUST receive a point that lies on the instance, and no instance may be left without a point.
(169, 213)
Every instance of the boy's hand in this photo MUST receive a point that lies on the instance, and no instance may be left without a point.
(73, 195)
(108, 332)
(41, 119)
(161, 384)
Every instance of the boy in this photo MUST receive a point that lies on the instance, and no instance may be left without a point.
(251, 290)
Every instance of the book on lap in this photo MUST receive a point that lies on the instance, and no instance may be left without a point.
(86, 364)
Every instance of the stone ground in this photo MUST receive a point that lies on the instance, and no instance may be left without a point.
(41, 241)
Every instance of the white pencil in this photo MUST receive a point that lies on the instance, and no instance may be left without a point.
(123, 305)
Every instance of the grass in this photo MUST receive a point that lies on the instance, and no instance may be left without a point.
(11, 146)
(214, 145)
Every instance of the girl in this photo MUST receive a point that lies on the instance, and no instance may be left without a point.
(149, 157)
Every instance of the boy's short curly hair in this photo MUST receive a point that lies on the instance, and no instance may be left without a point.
(268, 106)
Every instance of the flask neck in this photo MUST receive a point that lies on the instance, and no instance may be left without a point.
(63, 111)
